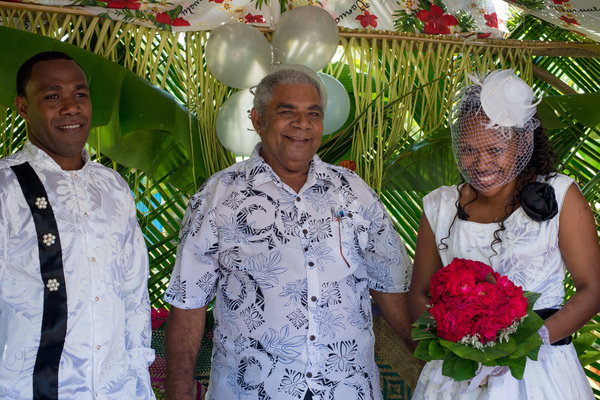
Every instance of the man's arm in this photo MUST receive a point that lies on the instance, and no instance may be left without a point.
(184, 332)
(394, 307)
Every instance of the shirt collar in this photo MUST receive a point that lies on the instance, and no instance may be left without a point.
(41, 158)
(259, 172)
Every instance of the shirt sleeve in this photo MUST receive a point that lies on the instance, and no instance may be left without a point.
(194, 279)
(138, 333)
(3, 236)
(388, 265)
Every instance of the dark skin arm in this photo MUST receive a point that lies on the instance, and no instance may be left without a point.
(184, 332)
(579, 246)
(427, 262)
(394, 308)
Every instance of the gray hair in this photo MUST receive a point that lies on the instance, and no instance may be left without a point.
(263, 93)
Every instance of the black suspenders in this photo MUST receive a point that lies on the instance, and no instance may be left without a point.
(54, 320)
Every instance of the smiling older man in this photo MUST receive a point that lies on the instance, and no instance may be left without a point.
(291, 247)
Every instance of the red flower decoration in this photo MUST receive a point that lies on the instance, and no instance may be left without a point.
(491, 20)
(180, 22)
(561, 1)
(367, 19)
(351, 165)
(216, 1)
(570, 21)
(435, 20)
(254, 18)
(131, 4)
(158, 317)
(164, 18)
(483, 35)
(469, 299)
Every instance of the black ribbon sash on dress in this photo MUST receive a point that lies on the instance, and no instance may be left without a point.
(546, 313)
(54, 319)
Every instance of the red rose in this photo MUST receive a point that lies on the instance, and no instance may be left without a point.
(470, 299)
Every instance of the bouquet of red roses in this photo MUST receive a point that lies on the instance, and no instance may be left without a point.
(477, 316)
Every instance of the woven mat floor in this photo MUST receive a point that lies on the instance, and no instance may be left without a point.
(399, 370)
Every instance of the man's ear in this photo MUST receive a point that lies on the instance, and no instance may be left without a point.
(256, 120)
(21, 104)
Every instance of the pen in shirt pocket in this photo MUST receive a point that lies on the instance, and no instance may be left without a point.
(338, 216)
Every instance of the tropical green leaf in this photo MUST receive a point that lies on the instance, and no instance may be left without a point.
(135, 123)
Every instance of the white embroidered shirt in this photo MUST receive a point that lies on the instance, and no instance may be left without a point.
(107, 350)
(291, 274)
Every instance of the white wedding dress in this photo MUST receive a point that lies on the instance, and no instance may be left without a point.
(529, 255)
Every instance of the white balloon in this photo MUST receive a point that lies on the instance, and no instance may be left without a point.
(306, 35)
(238, 55)
(234, 127)
(338, 104)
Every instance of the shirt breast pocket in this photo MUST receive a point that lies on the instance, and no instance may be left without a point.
(352, 235)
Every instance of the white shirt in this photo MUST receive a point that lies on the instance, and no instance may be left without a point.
(291, 311)
(107, 346)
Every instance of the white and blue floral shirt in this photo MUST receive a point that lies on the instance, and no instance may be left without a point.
(291, 273)
(106, 351)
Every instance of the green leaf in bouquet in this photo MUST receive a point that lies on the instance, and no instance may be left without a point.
(533, 354)
(421, 333)
(531, 324)
(516, 365)
(465, 369)
(517, 369)
(426, 319)
(484, 357)
(422, 350)
(422, 328)
(436, 350)
(527, 346)
(531, 297)
(448, 365)
(458, 368)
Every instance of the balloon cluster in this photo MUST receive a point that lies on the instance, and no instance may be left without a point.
(239, 56)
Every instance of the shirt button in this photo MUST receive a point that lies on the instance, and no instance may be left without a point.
(306, 249)
(98, 347)
(305, 231)
(97, 298)
(349, 215)
(85, 214)
(312, 338)
(309, 374)
(298, 198)
(76, 176)
(93, 259)
(311, 264)
(314, 298)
